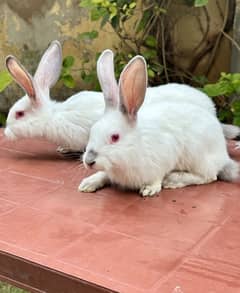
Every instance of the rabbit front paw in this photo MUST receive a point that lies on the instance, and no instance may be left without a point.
(93, 182)
(150, 189)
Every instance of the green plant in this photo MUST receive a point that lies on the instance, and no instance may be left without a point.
(66, 75)
(118, 14)
(197, 3)
(141, 28)
(5, 80)
(225, 93)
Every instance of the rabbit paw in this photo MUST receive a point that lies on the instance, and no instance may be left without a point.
(151, 189)
(69, 154)
(89, 184)
(93, 182)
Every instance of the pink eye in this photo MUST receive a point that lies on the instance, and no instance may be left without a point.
(19, 114)
(114, 138)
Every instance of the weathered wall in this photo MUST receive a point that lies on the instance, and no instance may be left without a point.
(27, 27)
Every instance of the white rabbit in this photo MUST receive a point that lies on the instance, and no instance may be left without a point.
(35, 115)
(68, 123)
(137, 147)
(172, 92)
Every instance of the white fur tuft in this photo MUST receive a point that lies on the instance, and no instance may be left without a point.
(230, 172)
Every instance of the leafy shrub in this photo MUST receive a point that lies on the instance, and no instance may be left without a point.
(5, 80)
(145, 35)
(66, 75)
(225, 93)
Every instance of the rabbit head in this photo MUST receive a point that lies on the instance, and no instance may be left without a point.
(116, 131)
(29, 114)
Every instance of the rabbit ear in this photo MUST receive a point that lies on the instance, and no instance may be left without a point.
(132, 86)
(106, 77)
(49, 68)
(21, 76)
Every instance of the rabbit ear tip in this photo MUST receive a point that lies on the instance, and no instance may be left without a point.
(11, 60)
(107, 52)
(56, 43)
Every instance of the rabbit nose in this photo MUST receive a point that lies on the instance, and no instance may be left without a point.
(90, 158)
(91, 163)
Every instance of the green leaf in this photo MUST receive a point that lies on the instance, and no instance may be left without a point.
(68, 61)
(148, 54)
(113, 11)
(236, 120)
(68, 81)
(236, 107)
(88, 78)
(218, 89)
(5, 80)
(200, 3)
(151, 41)
(146, 16)
(88, 35)
(105, 19)
(86, 3)
(151, 73)
(132, 5)
(157, 67)
(97, 13)
(224, 114)
(200, 79)
(115, 21)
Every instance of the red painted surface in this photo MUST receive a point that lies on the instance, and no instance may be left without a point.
(182, 241)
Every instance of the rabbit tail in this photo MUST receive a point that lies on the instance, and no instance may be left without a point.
(231, 131)
(230, 172)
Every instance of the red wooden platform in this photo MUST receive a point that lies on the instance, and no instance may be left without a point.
(55, 239)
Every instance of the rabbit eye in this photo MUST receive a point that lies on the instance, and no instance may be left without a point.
(19, 114)
(114, 138)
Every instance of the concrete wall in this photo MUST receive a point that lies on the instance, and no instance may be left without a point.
(27, 27)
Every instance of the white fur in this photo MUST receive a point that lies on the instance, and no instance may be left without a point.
(180, 93)
(164, 137)
(66, 124)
